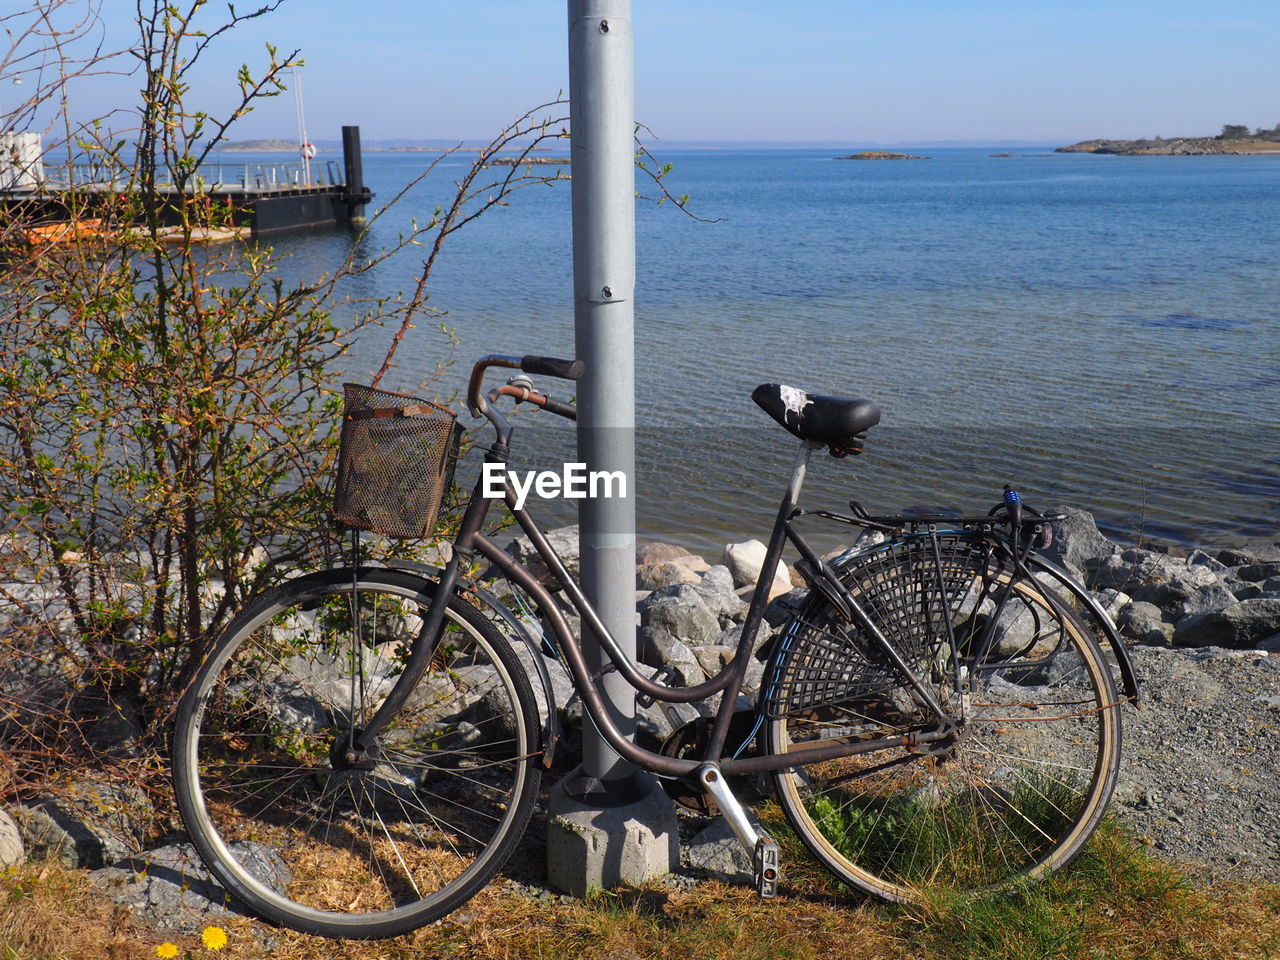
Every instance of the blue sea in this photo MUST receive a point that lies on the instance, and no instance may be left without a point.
(1099, 331)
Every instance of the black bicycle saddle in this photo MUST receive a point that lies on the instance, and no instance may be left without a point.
(840, 422)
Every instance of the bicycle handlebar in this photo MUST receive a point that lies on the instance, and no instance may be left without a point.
(551, 367)
(526, 395)
(544, 366)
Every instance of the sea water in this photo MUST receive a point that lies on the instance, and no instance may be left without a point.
(1098, 331)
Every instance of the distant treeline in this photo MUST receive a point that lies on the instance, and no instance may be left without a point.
(1238, 131)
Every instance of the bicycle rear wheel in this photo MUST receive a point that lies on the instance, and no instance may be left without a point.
(1020, 787)
(297, 832)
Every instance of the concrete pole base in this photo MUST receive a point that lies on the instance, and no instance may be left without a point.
(593, 846)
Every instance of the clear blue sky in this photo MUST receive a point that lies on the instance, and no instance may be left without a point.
(1048, 70)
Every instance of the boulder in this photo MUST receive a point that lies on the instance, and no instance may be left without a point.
(1198, 558)
(1151, 577)
(658, 648)
(665, 573)
(681, 612)
(90, 825)
(1113, 601)
(1212, 597)
(1258, 572)
(654, 552)
(1077, 542)
(1145, 623)
(1243, 624)
(1242, 589)
(564, 540)
(745, 561)
(717, 590)
(171, 888)
(715, 852)
(713, 657)
(12, 850)
(1252, 552)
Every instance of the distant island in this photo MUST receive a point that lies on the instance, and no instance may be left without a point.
(880, 155)
(1234, 139)
(523, 161)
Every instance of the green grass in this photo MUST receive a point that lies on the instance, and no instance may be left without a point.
(973, 839)
(1116, 902)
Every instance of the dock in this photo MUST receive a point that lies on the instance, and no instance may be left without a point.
(262, 197)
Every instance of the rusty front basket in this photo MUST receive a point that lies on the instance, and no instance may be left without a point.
(395, 462)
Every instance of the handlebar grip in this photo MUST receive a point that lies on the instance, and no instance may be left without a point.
(551, 367)
(561, 409)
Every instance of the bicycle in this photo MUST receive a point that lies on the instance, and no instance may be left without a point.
(363, 747)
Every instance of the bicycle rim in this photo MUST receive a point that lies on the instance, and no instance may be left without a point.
(303, 836)
(1015, 795)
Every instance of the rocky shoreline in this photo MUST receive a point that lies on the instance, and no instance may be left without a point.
(1176, 146)
(1200, 782)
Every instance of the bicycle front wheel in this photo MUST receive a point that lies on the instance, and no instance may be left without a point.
(310, 840)
(1018, 787)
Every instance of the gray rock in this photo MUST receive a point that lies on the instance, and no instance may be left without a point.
(1270, 644)
(1258, 572)
(12, 850)
(1213, 597)
(653, 552)
(713, 657)
(1253, 552)
(1198, 558)
(1145, 623)
(717, 590)
(1242, 589)
(1113, 601)
(1077, 541)
(715, 852)
(1151, 577)
(564, 540)
(681, 612)
(745, 560)
(1271, 588)
(658, 648)
(1241, 625)
(171, 888)
(664, 573)
(92, 825)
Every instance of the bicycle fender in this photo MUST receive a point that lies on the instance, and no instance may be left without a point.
(551, 732)
(1127, 673)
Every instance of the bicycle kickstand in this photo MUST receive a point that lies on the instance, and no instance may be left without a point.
(759, 846)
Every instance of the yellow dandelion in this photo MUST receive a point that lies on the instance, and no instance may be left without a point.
(215, 938)
(167, 951)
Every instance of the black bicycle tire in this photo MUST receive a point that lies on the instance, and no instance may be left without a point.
(259, 897)
(1102, 780)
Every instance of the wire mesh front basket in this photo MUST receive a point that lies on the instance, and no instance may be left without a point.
(395, 462)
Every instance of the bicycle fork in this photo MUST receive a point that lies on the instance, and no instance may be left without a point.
(759, 846)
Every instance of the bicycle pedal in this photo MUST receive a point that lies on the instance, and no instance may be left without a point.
(767, 870)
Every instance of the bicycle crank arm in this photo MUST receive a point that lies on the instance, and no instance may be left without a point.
(762, 850)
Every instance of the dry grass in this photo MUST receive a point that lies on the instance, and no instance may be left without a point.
(49, 913)
(1116, 903)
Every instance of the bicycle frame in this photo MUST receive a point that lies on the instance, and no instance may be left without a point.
(728, 682)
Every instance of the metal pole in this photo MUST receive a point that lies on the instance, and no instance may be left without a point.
(608, 822)
(602, 125)
(353, 164)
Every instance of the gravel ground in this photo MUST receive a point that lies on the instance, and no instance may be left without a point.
(1200, 778)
